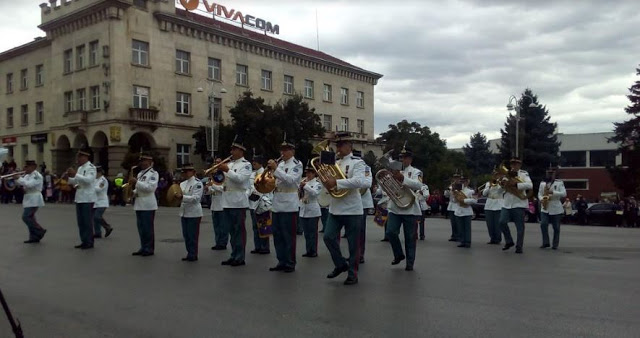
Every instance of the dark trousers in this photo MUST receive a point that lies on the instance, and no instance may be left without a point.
(284, 237)
(145, 221)
(515, 215)
(310, 228)
(84, 216)
(545, 219)
(363, 232)
(220, 229)
(464, 229)
(422, 218)
(235, 218)
(351, 224)
(409, 225)
(99, 222)
(36, 232)
(454, 226)
(323, 217)
(492, 217)
(259, 244)
(191, 233)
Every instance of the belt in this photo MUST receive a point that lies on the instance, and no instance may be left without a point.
(144, 194)
(286, 191)
(232, 190)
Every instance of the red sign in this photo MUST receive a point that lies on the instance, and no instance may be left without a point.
(11, 139)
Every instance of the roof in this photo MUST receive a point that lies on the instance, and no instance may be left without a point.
(37, 43)
(270, 40)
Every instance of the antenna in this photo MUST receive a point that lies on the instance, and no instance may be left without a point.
(317, 31)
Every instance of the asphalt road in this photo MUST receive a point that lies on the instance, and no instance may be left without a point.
(588, 288)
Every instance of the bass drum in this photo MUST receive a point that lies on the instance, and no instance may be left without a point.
(324, 198)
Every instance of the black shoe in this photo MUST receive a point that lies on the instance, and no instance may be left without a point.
(310, 255)
(44, 231)
(237, 263)
(507, 246)
(461, 245)
(422, 238)
(397, 260)
(137, 253)
(264, 252)
(288, 269)
(228, 261)
(254, 251)
(86, 247)
(361, 260)
(344, 236)
(218, 247)
(384, 240)
(452, 239)
(494, 243)
(299, 233)
(351, 281)
(108, 232)
(189, 259)
(321, 231)
(32, 241)
(277, 268)
(555, 248)
(408, 268)
(146, 254)
(79, 246)
(518, 250)
(544, 246)
(337, 271)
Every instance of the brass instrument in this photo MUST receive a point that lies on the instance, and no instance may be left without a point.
(17, 173)
(492, 184)
(459, 196)
(216, 176)
(325, 171)
(266, 182)
(507, 182)
(546, 196)
(9, 181)
(400, 194)
(301, 195)
(127, 188)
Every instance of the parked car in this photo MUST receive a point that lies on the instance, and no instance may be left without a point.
(478, 207)
(602, 214)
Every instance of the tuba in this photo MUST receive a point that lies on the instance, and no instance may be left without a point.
(507, 178)
(216, 176)
(266, 182)
(401, 195)
(127, 188)
(325, 171)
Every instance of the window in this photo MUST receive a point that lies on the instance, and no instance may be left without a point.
(81, 95)
(216, 107)
(288, 84)
(214, 69)
(68, 65)
(182, 103)
(242, 76)
(326, 122)
(10, 83)
(345, 124)
(327, 93)
(140, 3)
(24, 115)
(93, 53)
(95, 97)
(9, 117)
(576, 184)
(602, 158)
(360, 126)
(182, 152)
(140, 53)
(360, 99)
(344, 96)
(308, 89)
(39, 75)
(40, 147)
(24, 83)
(266, 80)
(80, 57)
(182, 61)
(25, 151)
(39, 112)
(140, 97)
(68, 102)
(573, 158)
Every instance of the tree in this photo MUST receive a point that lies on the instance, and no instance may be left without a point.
(225, 138)
(627, 134)
(539, 145)
(480, 161)
(430, 152)
(131, 158)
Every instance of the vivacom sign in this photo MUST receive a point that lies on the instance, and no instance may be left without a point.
(232, 14)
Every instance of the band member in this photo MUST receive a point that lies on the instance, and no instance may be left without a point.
(310, 214)
(220, 228)
(285, 206)
(84, 179)
(514, 206)
(549, 195)
(463, 212)
(494, 194)
(31, 182)
(102, 203)
(406, 156)
(260, 245)
(145, 205)
(455, 179)
(346, 211)
(367, 204)
(235, 202)
(190, 211)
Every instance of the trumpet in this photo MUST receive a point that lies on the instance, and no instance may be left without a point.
(216, 176)
(266, 182)
(17, 173)
(492, 184)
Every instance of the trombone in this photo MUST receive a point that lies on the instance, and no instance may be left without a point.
(17, 173)
(216, 176)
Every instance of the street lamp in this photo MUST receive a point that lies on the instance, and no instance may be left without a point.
(211, 99)
(516, 107)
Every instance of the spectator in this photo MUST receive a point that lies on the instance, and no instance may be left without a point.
(434, 202)
(55, 197)
(631, 213)
(619, 208)
(581, 206)
(568, 210)
(118, 182)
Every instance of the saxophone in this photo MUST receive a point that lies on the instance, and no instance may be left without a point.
(546, 196)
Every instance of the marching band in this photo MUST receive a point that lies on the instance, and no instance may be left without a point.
(336, 188)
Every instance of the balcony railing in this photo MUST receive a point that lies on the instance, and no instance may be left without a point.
(143, 114)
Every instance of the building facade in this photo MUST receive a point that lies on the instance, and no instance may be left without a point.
(120, 75)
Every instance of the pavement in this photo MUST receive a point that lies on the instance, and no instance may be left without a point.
(588, 288)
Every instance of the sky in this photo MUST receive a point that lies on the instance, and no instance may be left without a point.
(452, 65)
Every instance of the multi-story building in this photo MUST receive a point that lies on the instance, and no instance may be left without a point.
(118, 75)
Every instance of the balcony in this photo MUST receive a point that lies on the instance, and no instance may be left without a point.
(76, 120)
(147, 117)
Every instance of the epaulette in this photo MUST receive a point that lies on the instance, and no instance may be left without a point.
(296, 161)
(91, 165)
(355, 157)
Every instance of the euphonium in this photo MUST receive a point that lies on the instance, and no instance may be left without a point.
(400, 194)
(325, 171)
(127, 189)
(216, 176)
(460, 196)
(266, 182)
(506, 181)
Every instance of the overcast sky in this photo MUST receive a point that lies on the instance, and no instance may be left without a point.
(452, 65)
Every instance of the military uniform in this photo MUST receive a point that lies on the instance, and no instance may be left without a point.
(220, 228)
(260, 245)
(324, 209)
(451, 207)
(145, 206)
(492, 209)
(513, 210)
(285, 212)
(367, 204)
(346, 212)
(85, 198)
(235, 204)
(463, 213)
(191, 215)
(101, 187)
(552, 213)
(310, 215)
(32, 185)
